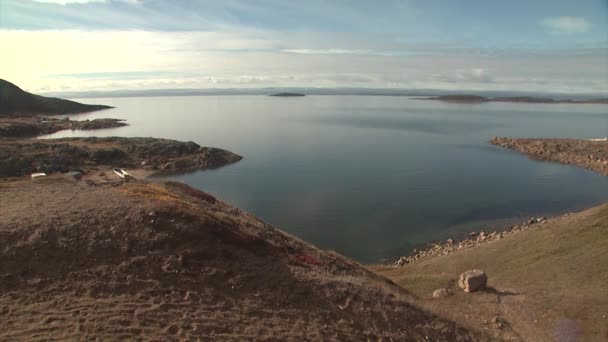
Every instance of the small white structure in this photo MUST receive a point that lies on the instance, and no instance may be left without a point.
(38, 174)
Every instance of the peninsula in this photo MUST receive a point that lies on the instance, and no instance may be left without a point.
(288, 95)
(519, 99)
(18, 103)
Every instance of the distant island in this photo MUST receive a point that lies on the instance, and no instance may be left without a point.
(521, 99)
(16, 102)
(288, 95)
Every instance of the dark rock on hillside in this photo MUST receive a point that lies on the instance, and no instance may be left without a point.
(16, 102)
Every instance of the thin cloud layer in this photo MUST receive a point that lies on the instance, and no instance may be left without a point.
(567, 24)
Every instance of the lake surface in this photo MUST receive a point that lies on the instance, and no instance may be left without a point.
(372, 177)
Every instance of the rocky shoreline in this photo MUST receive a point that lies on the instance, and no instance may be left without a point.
(20, 155)
(33, 127)
(19, 158)
(590, 154)
(474, 239)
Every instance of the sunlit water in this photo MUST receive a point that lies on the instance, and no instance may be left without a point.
(370, 177)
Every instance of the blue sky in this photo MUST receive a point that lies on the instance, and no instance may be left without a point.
(553, 46)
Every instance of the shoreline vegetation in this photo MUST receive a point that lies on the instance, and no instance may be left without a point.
(517, 99)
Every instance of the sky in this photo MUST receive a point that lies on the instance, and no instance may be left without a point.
(516, 45)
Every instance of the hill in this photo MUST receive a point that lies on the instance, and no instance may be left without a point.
(163, 261)
(16, 102)
(546, 280)
(546, 283)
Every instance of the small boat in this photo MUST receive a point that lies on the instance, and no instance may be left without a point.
(121, 173)
(38, 174)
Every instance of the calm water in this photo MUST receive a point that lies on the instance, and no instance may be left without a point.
(370, 177)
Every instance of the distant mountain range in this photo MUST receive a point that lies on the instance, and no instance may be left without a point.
(16, 102)
(321, 91)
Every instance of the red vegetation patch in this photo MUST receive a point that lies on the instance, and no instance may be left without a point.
(308, 260)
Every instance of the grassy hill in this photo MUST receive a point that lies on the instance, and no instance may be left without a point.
(545, 282)
(16, 102)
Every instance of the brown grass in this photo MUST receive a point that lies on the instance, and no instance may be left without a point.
(553, 273)
(150, 191)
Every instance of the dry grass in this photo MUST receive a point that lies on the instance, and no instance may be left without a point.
(556, 272)
(150, 191)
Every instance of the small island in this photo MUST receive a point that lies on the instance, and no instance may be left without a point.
(467, 98)
(288, 95)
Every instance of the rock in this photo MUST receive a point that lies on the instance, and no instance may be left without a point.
(450, 241)
(473, 280)
(441, 293)
(73, 175)
(402, 261)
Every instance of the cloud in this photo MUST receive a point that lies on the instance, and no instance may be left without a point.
(478, 75)
(53, 59)
(329, 51)
(69, 2)
(566, 24)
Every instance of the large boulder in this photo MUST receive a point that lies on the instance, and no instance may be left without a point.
(473, 280)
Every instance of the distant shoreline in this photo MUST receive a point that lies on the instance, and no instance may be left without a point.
(288, 95)
(517, 99)
(320, 92)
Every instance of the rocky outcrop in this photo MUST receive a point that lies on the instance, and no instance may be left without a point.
(591, 154)
(63, 155)
(472, 280)
(32, 127)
